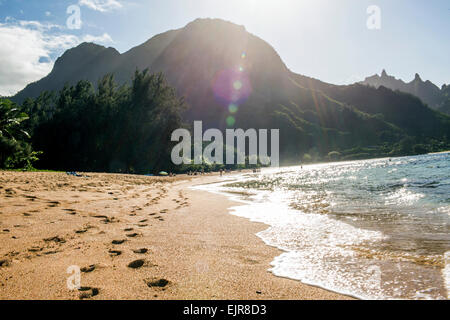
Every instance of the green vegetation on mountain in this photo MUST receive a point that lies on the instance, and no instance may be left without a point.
(125, 127)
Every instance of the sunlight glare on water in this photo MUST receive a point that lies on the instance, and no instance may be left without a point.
(371, 229)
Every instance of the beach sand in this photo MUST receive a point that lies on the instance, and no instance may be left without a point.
(195, 249)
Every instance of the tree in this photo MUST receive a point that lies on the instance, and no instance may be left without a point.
(15, 152)
(111, 128)
(10, 119)
(420, 149)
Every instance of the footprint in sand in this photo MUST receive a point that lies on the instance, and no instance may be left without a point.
(4, 263)
(115, 253)
(100, 217)
(158, 283)
(141, 251)
(71, 211)
(136, 264)
(88, 292)
(118, 241)
(110, 220)
(53, 204)
(10, 191)
(88, 269)
(56, 239)
(132, 235)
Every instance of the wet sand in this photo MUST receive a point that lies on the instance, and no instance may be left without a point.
(133, 237)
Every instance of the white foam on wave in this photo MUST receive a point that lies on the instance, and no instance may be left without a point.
(316, 249)
(319, 249)
(403, 196)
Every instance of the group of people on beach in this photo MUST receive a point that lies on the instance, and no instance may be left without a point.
(196, 173)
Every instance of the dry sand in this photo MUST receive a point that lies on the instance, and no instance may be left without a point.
(50, 221)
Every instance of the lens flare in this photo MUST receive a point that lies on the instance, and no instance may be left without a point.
(231, 121)
(231, 86)
(233, 108)
(237, 85)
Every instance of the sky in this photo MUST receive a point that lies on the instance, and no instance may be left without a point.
(337, 41)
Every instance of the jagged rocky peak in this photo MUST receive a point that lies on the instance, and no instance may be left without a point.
(425, 90)
(417, 77)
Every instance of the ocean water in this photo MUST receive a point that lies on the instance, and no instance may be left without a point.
(373, 229)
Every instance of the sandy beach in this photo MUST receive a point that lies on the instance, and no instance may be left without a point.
(133, 237)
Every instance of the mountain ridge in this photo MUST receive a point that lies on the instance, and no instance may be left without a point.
(427, 91)
(231, 78)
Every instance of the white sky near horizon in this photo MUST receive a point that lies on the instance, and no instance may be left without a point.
(324, 39)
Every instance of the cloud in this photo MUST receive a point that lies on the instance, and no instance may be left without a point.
(105, 38)
(28, 50)
(101, 5)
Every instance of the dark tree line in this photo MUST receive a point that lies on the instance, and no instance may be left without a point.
(109, 128)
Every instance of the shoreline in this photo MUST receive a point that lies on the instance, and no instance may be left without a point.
(55, 221)
(235, 198)
(306, 250)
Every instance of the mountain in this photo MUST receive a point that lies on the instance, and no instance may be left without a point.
(87, 61)
(445, 105)
(231, 78)
(427, 91)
